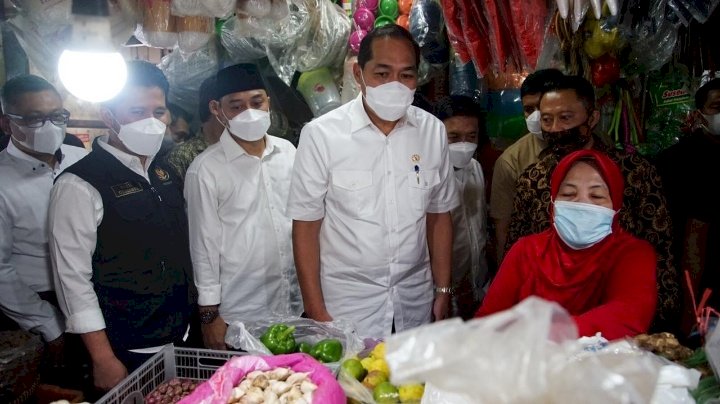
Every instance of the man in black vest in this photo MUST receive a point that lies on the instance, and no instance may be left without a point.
(118, 236)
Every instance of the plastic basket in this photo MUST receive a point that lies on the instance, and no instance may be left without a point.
(170, 362)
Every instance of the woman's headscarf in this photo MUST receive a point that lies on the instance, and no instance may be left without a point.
(607, 168)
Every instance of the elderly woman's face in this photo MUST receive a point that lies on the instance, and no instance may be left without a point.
(583, 183)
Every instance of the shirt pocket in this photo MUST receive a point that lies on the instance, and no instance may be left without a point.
(420, 185)
(353, 189)
(135, 208)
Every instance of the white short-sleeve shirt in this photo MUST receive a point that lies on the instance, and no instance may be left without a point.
(373, 193)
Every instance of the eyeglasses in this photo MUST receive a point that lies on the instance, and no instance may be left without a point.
(58, 118)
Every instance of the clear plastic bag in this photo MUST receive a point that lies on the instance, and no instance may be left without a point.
(159, 26)
(194, 32)
(700, 10)
(239, 47)
(218, 389)
(246, 336)
(428, 29)
(529, 353)
(205, 8)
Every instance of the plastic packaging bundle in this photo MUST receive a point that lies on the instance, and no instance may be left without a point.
(526, 354)
(254, 8)
(464, 80)
(203, 8)
(193, 32)
(159, 26)
(350, 88)
(239, 47)
(246, 336)
(428, 29)
(687, 10)
(325, 43)
(319, 90)
(185, 72)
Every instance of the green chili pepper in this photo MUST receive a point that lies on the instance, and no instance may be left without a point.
(327, 350)
(279, 339)
(304, 347)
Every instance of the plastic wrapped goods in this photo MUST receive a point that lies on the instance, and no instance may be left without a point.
(159, 26)
(193, 32)
(203, 8)
(239, 47)
(428, 29)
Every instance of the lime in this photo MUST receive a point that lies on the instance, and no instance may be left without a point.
(354, 368)
(385, 393)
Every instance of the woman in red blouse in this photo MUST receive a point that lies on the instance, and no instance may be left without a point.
(603, 276)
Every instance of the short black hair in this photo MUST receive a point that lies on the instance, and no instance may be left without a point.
(583, 89)
(458, 105)
(386, 31)
(538, 81)
(205, 95)
(177, 112)
(141, 74)
(702, 93)
(19, 85)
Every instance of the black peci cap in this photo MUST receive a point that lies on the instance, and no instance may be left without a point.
(237, 78)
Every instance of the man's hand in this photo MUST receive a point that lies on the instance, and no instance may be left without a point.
(56, 351)
(441, 306)
(319, 315)
(108, 373)
(214, 334)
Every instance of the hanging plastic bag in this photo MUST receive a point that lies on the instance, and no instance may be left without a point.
(159, 26)
(246, 335)
(428, 29)
(239, 47)
(700, 10)
(193, 32)
(203, 8)
(529, 353)
(218, 389)
(325, 43)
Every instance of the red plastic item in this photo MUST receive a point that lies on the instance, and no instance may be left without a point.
(605, 70)
(528, 24)
(403, 21)
(405, 6)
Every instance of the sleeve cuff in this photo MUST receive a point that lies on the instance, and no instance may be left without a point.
(306, 216)
(443, 208)
(209, 295)
(85, 322)
(52, 329)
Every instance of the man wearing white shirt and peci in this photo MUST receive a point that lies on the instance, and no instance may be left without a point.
(370, 199)
(236, 191)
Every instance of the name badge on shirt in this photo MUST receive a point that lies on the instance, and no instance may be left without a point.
(125, 189)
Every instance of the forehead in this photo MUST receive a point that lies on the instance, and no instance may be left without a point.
(139, 96)
(560, 100)
(466, 123)
(530, 99)
(392, 52)
(244, 95)
(36, 101)
(712, 98)
(584, 173)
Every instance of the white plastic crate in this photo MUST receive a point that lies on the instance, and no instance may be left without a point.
(170, 362)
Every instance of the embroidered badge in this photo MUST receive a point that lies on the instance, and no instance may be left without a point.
(125, 189)
(162, 174)
(415, 158)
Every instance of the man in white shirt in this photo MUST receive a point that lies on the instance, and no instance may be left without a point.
(462, 119)
(236, 191)
(371, 195)
(118, 236)
(36, 121)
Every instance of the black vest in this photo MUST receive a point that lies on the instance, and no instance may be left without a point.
(141, 265)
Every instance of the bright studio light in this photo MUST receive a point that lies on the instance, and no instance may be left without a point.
(92, 76)
(91, 68)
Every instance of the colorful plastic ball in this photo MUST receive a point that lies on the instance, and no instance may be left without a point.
(405, 6)
(383, 20)
(355, 38)
(389, 8)
(364, 18)
(403, 21)
(371, 5)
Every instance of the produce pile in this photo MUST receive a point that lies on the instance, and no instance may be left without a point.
(374, 374)
(278, 386)
(171, 391)
(280, 339)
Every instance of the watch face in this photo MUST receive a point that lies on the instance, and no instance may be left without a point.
(207, 317)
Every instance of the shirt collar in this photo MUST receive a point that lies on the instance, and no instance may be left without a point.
(360, 119)
(127, 159)
(233, 150)
(21, 155)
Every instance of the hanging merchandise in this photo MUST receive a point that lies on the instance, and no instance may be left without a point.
(159, 26)
(671, 103)
(319, 91)
(203, 8)
(528, 24)
(349, 89)
(689, 10)
(653, 39)
(355, 40)
(239, 48)
(193, 32)
(186, 71)
(254, 8)
(625, 127)
(428, 29)
(464, 80)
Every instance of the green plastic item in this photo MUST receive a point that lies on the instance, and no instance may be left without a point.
(279, 339)
(327, 350)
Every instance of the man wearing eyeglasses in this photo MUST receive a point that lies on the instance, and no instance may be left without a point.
(35, 120)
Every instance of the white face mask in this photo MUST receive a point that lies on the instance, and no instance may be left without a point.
(389, 101)
(461, 153)
(46, 139)
(143, 137)
(713, 123)
(250, 125)
(533, 124)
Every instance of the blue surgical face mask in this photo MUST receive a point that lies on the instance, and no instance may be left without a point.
(582, 225)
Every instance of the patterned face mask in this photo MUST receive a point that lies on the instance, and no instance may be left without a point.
(567, 141)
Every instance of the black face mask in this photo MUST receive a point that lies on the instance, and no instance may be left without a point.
(566, 141)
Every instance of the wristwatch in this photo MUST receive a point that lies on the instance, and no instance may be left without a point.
(449, 290)
(208, 316)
